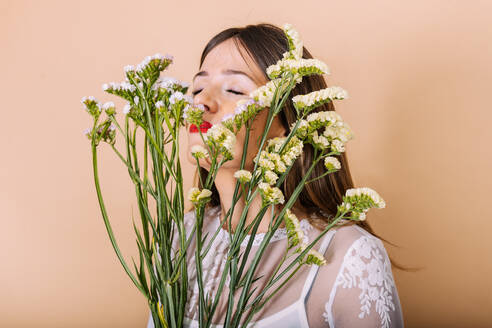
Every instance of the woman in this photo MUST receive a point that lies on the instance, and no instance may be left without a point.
(356, 287)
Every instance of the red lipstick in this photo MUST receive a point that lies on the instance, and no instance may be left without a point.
(203, 127)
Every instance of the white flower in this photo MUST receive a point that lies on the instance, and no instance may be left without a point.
(320, 141)
(205, 193)
(229, 142)
(176, 96)
(193, 193)
(298, 67)
(167, 82)
(222, 138)
(324, 118)
(243, 176)
(241, 107)
(270, 177)
(338, 130)
(315, 257)
(337, 146)
(362, 216)
(279, 163)
(126, 109)
(87, 98)
(264, 161)
(123, 86)
(188, 99)
(199, 151)
(244, 111)
(290, 152)
(91, 105)
(302, 128)
(314, 99)
(276, 143)
(193, 113)
(108, 105)
(87, 132)
(136, 100)
(197, 196)
(227, 117)
(294, 232)
(345, 132)
(271, 161)
(159, 104)
(264, 94)
(344, 206)
(128, 68)
(295, 42)
(271, 195)
(332, 163)
(361, 200)
(143, 64)
(367, 194)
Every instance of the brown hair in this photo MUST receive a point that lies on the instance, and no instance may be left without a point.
(266, 43)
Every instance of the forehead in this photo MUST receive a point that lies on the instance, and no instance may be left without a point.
(226, 56)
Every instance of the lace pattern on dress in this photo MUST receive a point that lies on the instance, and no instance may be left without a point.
(214, 262)
(366, 266)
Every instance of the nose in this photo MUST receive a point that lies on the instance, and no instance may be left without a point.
(207, 99)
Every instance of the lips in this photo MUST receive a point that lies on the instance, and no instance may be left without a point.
(203, 127)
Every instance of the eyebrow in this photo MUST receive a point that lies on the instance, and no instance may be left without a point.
(226, 72)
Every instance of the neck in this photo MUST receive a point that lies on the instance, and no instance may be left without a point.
(225, 184)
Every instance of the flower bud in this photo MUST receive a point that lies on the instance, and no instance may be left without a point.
(92, 106)
(315, 257)
(198, 197)
(243, 176)
(199, 151)
(109, 108)
(332, 163)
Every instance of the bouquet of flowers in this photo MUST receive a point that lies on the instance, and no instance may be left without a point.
(159, 108)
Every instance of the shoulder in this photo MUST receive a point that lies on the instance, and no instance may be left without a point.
(356, 283)
(352, 243)
(346, 242)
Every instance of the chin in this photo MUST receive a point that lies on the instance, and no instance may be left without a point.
(192, 160)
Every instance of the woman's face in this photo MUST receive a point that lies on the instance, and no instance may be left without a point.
(225, 78)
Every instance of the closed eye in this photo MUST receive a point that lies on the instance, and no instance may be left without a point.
(235, 92)
(230, 90)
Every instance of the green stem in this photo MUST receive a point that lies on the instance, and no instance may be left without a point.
(107, 223)
(259, 253)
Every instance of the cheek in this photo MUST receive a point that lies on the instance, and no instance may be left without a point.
(256, 131)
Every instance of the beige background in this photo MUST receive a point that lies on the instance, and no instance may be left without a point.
(419, 76)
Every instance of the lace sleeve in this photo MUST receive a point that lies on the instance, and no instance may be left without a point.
(356, 288)
(364, 293)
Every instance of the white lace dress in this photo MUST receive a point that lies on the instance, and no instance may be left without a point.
(355, 289)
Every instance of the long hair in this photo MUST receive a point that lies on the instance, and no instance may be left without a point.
(265, 44)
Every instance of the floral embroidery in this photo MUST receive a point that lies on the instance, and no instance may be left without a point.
(367, 266)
